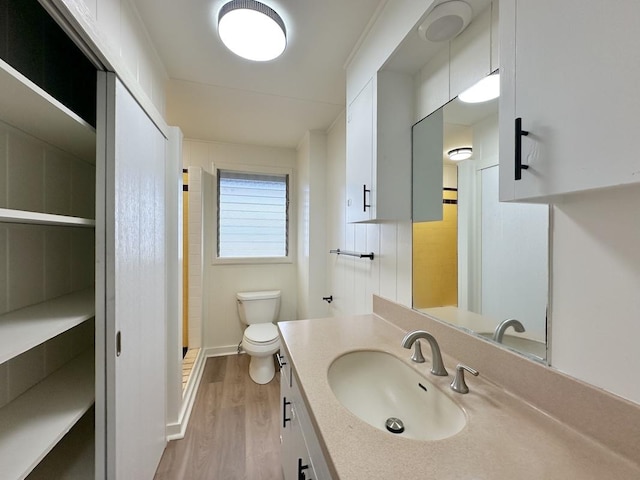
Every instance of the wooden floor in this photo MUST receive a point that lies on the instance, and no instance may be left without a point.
(234, 430)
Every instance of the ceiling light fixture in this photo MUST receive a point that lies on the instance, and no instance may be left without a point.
(445, 21)
(252, 30)
(486, 89)
(462, 153)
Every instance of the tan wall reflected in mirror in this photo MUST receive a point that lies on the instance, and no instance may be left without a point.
(435, 268)
(476, 261)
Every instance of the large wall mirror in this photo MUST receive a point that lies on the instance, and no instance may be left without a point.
(478, 263)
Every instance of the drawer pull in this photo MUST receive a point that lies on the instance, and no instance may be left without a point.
(301, 470)
(284, 412)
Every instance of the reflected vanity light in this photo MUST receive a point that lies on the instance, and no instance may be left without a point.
(462, 153)
(486, 89)
(252, 30)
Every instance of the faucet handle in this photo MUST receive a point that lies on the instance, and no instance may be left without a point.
(417, 356)
(458, 384)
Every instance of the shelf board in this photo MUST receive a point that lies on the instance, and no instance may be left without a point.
(32, 424)
(29, 108)
(73, 456)
(23, 216)
(21, 330)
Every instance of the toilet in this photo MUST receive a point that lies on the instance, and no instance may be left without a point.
(258, 310)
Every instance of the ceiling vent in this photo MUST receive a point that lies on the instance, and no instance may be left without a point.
(445, 21)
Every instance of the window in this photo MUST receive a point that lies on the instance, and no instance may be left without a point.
(253, 215)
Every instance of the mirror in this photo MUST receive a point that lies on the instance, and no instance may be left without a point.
(477, 263)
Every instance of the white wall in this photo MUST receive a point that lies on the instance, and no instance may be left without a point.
(595, 303)
(353, 281)
(337, 284)
(312, 251)
(394, 21)
(221, 325)
(115, 27)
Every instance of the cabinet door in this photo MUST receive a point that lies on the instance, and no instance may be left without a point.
(570, 69)
(360, 155)
(130, 276)
(296, 464)
(294, 456)
(287, 434)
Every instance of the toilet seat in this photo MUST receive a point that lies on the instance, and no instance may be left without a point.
(261, 333)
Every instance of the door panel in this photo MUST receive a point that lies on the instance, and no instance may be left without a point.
(134, 276)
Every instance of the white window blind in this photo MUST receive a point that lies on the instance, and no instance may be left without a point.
(252, 215)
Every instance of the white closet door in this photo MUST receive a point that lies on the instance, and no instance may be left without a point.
(134, 277)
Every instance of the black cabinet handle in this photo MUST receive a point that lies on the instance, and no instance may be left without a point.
(518, 150)
(365, 205)
(284, 412)
(301, 470)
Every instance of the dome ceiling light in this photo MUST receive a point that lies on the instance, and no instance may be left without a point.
(486, 89)
(252, 30)
(462, 153)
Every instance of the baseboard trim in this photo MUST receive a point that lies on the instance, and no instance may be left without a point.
(221, 351)
(176, 431)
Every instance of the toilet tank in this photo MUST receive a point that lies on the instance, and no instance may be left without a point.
(258, 307)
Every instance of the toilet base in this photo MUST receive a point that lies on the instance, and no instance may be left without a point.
(262, 369)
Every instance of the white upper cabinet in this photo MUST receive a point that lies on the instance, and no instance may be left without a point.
(360, 155)
(379, 123)
(570, 70)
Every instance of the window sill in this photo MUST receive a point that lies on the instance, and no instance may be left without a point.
(251, 260)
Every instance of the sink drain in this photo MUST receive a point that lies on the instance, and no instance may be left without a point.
(394, 425)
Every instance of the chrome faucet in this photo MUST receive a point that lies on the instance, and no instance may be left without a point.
(510, 322)
(437, 367)
(458, 384)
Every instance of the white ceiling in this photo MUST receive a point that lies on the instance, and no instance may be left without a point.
(214, 95)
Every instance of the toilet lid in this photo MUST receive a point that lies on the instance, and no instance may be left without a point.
(261, 332)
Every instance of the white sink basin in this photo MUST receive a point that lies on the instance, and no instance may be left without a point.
(376, 386)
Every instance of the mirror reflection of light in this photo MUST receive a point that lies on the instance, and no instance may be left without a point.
(252, 34)
(458, 154)
(486, 89)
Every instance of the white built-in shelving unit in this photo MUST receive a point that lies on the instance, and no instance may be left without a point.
(47, 371)
(32, 424)
(23, 329)
(30, 109)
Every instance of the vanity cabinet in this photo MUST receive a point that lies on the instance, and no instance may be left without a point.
(302, 457)
(378, 172)
(570, 71)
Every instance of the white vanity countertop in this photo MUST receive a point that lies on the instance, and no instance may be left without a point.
(505, 438)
